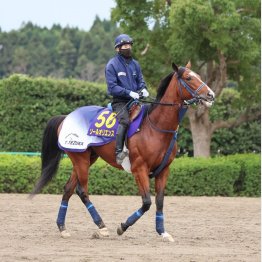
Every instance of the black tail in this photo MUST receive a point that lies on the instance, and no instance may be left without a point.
(50, 155)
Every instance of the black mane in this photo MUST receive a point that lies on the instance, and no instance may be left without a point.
(163, 86)
(162, 89)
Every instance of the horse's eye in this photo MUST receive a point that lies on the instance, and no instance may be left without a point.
(188, 78)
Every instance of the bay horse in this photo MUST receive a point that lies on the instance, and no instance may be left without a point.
(147, 148)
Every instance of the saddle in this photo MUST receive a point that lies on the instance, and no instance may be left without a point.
(134, 109)
(95, 126)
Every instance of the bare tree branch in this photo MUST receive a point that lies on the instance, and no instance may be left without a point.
(168, 2)
(245, 117)
(210, 73)
(233, 62)
(145, 50)
(201, 65)
(220, 75)
(244, 10)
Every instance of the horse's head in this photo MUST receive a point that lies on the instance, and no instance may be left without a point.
(191, 86)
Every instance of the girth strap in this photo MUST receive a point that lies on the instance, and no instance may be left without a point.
(166, 157)
(163, 164)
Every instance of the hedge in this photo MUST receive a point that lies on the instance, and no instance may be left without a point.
(236, 175)
(26, 104)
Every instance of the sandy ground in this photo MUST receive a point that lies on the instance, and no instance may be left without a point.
(204, 229)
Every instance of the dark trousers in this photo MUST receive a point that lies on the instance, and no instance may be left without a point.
(123, 116)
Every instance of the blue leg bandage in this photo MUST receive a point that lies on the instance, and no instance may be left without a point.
(62, 213)
(133, 218)
(160, 223)
(94, 214)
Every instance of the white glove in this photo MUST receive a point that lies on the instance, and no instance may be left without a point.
(145, 93)
(134, 95)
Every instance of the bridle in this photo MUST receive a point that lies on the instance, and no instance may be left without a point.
(182, 83)
(193, 93)
(183, 106)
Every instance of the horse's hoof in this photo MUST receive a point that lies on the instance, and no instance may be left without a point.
(167, 237)
(65, 234)
(101, 233)
(119, 230)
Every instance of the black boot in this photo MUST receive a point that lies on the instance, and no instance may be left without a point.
(120, 139)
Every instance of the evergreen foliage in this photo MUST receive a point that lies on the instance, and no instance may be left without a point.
(196, 30)
(222, 40)
(245, 138)
(26, 104)
(236, 175)
(58, 52)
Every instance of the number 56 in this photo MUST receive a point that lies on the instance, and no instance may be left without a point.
(108, 120)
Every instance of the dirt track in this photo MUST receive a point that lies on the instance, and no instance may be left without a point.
(204, 229)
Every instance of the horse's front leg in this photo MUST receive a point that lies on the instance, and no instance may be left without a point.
(160, 184)
(142, 180)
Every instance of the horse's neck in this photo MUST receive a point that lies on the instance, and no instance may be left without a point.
(166, 117)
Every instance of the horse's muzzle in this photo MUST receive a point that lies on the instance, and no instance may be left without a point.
(211, 96)
(208, 99)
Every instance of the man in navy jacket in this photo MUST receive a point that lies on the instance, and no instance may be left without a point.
(124, 82)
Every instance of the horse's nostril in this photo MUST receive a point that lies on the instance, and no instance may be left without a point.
(210, 95)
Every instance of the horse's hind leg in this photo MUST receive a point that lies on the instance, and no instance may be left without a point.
(68, 192)
(160, 184)
(82, 162)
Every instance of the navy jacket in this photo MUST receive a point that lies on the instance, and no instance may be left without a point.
(123, 76)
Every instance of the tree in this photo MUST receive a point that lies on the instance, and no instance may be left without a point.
(58, 52)
(85, 70)
(20, 62)
(68, 56)
(220, 37)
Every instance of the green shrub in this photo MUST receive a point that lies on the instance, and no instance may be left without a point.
(196, 177)
(237, 175)
(18, 173)
(26, 104)
(249, 180)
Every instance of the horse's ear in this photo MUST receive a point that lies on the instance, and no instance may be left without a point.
(175, 67)
(188, 65)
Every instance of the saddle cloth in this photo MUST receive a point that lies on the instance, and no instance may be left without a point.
(92, 126)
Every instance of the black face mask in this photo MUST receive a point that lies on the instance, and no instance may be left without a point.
(126, 53)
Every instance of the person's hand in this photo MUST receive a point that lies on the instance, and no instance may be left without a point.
(144, 92)
(134, 95)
